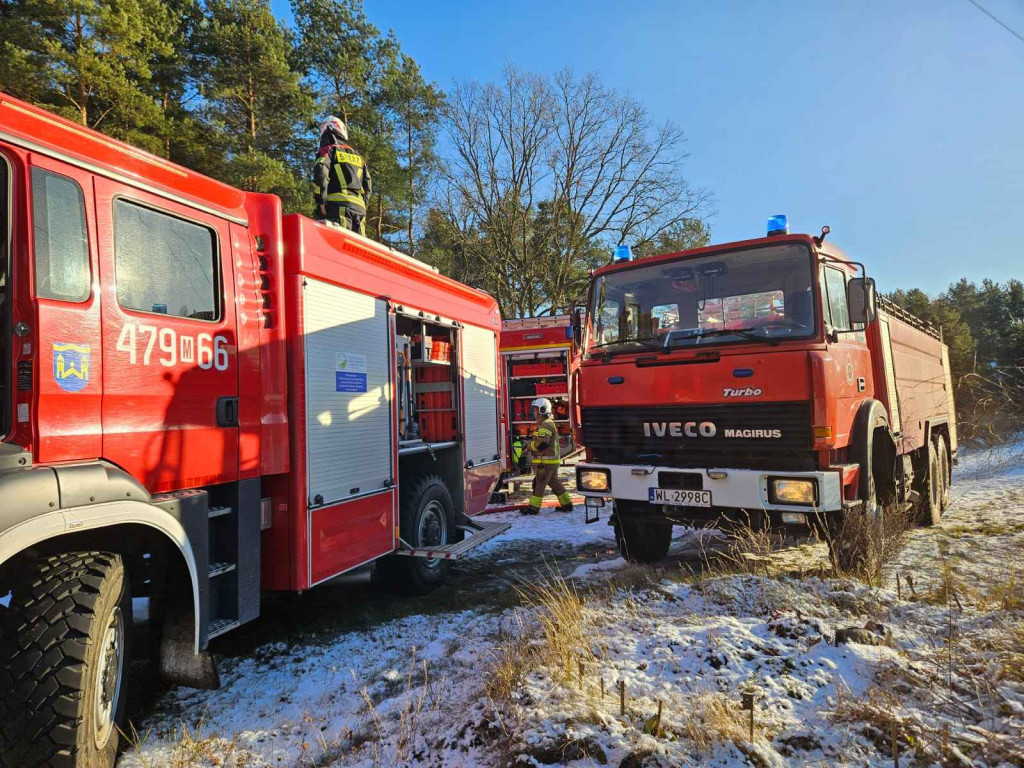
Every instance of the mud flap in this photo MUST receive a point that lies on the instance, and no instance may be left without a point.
(179, 663)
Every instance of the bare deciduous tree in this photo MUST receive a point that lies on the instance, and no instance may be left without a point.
(547, 174)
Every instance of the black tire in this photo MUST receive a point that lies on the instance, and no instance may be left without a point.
(642, 541)
(426, 519)
(65, 650)
(945, 474)
(930, 506)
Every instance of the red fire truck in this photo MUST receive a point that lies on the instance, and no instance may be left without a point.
(539, 357)
(201, 399)
(759, 383)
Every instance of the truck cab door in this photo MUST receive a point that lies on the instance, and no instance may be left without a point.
(170, 399)
(851, 380)
(69, 384)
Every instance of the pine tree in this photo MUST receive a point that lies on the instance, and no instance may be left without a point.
(254, 98)
(89, 60)
(415, 109)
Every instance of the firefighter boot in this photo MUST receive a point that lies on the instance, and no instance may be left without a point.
(534, 506)
(564, 502)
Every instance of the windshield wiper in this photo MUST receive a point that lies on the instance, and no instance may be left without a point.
(746, 333)
(645, 343)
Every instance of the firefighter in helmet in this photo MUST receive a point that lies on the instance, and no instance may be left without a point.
(546, 459)
(341, 179)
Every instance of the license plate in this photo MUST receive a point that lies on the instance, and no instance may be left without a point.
(679, 498)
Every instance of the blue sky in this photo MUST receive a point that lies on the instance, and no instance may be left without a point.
(898, 124)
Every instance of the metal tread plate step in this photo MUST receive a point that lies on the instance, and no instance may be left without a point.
(482, 532)
(218, 569)
(220, 626)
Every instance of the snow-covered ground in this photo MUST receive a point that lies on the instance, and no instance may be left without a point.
(419, 683)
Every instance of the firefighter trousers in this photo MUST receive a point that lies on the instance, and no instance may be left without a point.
(544, 476)
(346, 216)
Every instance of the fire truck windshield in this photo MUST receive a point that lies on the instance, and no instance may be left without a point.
(759, 294)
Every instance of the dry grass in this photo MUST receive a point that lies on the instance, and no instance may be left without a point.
(399, 737)
(710, 717)
(1013, 661)
(880, 540)
(561, 641)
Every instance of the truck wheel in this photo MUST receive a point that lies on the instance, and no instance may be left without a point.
(641, 541)
(931, 494)
(64, 654)
(426, 514)
(944, 471)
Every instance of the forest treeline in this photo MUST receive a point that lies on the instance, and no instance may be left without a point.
(517, 186)
(983, 325)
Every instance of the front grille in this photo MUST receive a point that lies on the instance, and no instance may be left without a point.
(744, 435)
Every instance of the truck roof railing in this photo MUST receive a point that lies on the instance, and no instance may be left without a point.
(894, 309)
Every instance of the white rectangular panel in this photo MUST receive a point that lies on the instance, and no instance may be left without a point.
(349, 437)
(480, 382)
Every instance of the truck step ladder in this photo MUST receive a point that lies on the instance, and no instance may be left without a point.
(476, 534)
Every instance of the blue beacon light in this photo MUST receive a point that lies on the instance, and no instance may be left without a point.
(622, 253)
(778, 225)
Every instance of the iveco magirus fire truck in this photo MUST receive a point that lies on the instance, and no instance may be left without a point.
(759, 383)
(201, 399)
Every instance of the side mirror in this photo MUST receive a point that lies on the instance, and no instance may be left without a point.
(579, 314)
(862, 300)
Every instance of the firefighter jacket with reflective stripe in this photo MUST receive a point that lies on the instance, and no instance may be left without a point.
(340, 175)
(544, 446)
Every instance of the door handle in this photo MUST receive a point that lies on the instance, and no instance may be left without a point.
(227, 411)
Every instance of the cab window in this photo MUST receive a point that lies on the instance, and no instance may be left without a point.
(61, 242)
(835, 286)
(164, 264)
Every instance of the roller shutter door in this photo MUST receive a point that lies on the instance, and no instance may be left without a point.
(348, 393)
(480, 383)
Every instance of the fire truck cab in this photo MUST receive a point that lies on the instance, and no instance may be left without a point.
(759, 383)
(202, 399)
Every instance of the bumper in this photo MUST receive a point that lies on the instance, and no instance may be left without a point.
(738, 489)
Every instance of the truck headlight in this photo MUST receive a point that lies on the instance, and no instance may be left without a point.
(783, 490)
(593, 480)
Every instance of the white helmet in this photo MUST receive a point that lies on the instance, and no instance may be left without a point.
(336, 126)
(543, 405)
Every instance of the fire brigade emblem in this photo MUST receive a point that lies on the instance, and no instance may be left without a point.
(71, 366)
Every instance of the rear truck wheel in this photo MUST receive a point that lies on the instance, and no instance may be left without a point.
(944, 471)
(930, 508)
(65, 648)
(639, 540)
(426, 521)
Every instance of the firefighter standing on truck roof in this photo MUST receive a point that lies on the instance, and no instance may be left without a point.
(546, 460)
(341, 179)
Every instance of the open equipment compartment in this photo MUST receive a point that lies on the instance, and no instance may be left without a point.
(539, 358)
(427, 384)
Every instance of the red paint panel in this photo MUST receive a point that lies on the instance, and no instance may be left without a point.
(267, 246)
(479, 484)
(920, 381)
(69, 359)
(780, 375)
(159, 411)
(350, 534)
